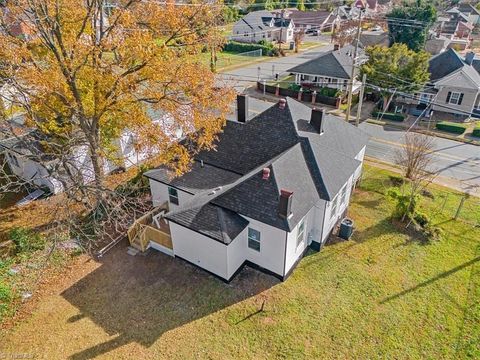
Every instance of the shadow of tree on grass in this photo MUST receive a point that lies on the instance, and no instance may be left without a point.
(141, 297)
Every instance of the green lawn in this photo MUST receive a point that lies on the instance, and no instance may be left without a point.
(382, 295)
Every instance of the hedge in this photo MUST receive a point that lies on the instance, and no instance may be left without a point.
(389, 116)
(476, 131)
(238, 47)
(451, 127)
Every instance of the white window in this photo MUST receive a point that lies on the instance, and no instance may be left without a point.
(301, 232)
(344, 195)
(333, 213)
(254, 239)
(455, 98)
(173, 195)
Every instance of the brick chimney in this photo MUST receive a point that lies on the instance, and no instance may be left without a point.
(317, 118)
(242, 108)
(285, 204)
(266, 173)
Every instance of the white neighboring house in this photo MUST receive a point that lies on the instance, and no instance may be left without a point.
(274, 186)
(27, 160)
(263, 25)
(332, 69)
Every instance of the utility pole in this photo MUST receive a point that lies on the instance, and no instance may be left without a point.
(360, 100)
(352, 75)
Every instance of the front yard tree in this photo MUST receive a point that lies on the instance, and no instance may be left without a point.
(396, 69)
(410, 22)
(86, 73)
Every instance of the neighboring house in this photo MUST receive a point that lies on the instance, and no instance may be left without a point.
(468, 10)
(332, 69)
(27, 158)
(453, 90)
(457, 29)
(263, 25)
(309, 20)
(274, 186)
(436, 44)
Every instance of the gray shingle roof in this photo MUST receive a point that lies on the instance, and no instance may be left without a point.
(444, 64)
(311, 165)
(198, 179)
(336, 64)
(448, 62)
(215, 222)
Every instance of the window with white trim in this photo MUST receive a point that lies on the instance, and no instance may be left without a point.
(173, 195)
(301, 232)
(254, 239)
(455, 98)
(333, 213)
(344, 195)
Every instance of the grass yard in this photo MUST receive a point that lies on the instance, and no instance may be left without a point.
(384, 294)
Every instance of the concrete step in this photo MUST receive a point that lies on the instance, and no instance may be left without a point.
(132, 251)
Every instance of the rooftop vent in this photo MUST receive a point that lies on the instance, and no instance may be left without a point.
(282, 103)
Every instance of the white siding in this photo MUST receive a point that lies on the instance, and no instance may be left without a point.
(200, 250)
(160, 194)
(360, 156)
(272, 247)
(330, 220)
(236, 252)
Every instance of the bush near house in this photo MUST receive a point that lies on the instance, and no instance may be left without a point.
(237, 47)
(451, 127)
(476, 131)
(389, 116)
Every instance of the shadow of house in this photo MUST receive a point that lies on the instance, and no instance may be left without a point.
(140, 298)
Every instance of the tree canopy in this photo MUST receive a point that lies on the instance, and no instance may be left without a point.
(85, 74)
(396, 69)
(410, 22)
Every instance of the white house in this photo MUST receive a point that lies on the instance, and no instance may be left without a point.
(263, 25)
(274, 186)
(332, 69)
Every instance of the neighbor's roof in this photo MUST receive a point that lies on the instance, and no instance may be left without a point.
(335, 63)
(311, 165)
(447, 63)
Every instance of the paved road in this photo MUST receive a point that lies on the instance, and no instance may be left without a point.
(246, 76)
(453, 159)
(457, 163)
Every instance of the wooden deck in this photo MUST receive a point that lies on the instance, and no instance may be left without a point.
(151, 227)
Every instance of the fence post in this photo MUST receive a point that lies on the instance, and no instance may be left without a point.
(444, 203)
(277, 90)
(264, 86)
(299, 96)
(314, 96)
(460, 206)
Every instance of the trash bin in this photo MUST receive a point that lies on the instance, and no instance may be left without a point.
(346, 229)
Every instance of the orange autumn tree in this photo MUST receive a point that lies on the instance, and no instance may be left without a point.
(86, 72)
